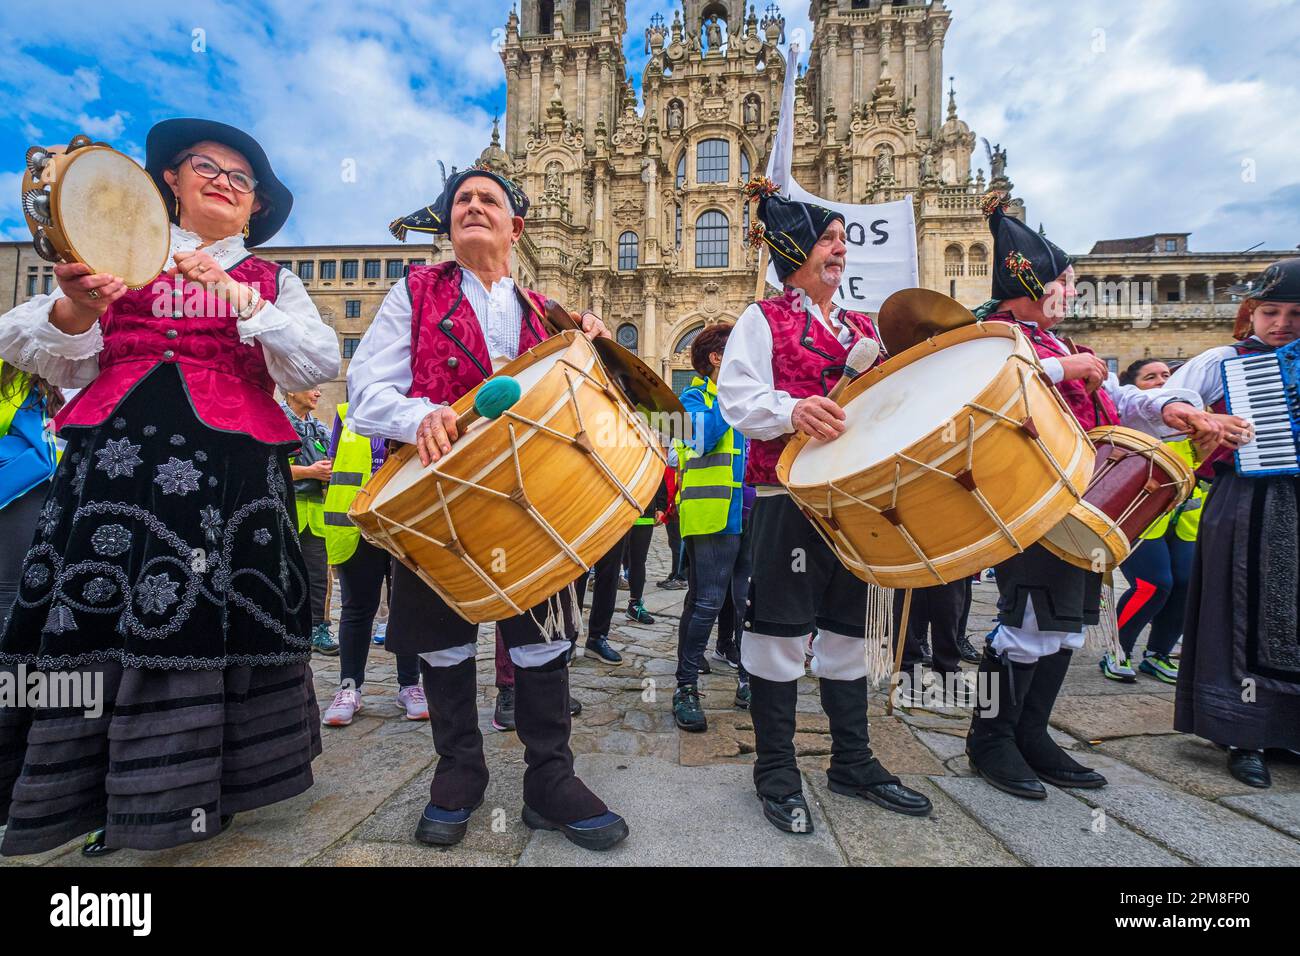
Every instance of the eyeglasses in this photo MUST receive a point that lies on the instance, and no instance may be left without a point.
(239, 181)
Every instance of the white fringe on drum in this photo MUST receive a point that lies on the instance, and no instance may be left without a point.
(1103, 636)
(879, 649)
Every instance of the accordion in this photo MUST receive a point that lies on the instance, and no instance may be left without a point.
(1264, 389)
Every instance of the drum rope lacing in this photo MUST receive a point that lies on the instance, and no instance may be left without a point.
(964, 478)
(582, 441)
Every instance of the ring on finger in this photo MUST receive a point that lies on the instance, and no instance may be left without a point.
(93, 293)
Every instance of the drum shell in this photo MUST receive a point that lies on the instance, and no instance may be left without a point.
(561, 481)
(943, 517)
(1136, 481)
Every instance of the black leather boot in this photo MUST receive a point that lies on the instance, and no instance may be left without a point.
(991, 743)
(1249, 767)
(1043, 754)
(776, 774)
(854, 769)
(554, 797)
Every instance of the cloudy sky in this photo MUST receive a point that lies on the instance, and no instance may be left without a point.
(1120, 117)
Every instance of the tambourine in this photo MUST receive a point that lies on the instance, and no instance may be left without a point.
(86, 202)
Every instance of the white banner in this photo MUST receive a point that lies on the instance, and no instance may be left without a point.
(882, 250)
(882, 239)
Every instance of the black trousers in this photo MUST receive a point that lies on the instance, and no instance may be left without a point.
(675, 546)
(17, 528)
(942, 611)
(318, 569)
(604, 595)
(361, 582)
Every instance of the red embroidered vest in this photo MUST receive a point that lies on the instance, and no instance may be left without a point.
(449, 355)
(1090, 410)
(807, 359)
(170, 321)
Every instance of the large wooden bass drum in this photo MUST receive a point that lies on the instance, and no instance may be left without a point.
(956, 455)
(525, 503)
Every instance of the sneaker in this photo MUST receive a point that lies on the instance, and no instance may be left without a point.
(503, 719)
(411, 701)
(575, 706)
(378, 639)
(1118, 668)
(687, 710)
(1177, 652)
(730, 657)
(742, 695)
(966, 650)
(322, 641)
(704, 664)
(672, 584)
(637, 614)
(622, 582)
(1160, 666)
(345, 706)
(600, 647)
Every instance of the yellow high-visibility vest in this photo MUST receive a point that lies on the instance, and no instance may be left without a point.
(353, 465)
(1187, 516)
(707, 481)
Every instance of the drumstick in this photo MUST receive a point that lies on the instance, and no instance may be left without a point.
(861, 357)
(898, 651)
(494, 397)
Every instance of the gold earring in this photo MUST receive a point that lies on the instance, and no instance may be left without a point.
(246, 228)
(178, 209)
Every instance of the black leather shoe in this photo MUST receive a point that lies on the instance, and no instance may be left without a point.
(1028, 788)
(575, 706)
(600, 647)
(966, 650)
(891, 796)
(598, 833)
(1248, 766)
(439, 827)
(791, 814)
(1068, 778)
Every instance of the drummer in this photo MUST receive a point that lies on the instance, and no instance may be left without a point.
(436, 336)
(1045, 603)
(784, 355)
(166, 562)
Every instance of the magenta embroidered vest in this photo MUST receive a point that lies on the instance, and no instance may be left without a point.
(807, 359)
(228, 384)
(1090, 410)
(449, 355)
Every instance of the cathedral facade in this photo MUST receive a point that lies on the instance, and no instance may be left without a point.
(637, 211)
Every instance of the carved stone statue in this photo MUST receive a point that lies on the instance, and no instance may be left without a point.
(692, 41)
(714, 33)
(751, 111)
(927, 167)
(997, 160)
(675, 117)
(885, 163)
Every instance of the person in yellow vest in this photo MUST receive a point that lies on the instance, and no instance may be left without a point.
(1159, 569)
(711, 499)
(362, 568)
(310, 467)
(28, 403)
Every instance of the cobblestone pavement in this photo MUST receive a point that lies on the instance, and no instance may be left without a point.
(689, 797)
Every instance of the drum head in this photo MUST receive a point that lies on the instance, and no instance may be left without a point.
(411, 472)
(112, 216)
(902, 408)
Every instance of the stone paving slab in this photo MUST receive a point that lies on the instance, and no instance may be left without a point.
(1058, 831)
(872, 836)
(1186, 763)
(1200, 831)
(1279, 810)
(1125, 716)
(689, 815)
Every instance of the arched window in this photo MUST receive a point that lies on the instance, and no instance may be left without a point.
(684, 343)
(979, 260)
(629, 250)
(677, 226)
(627, 336)
(582, 16)
(744, 166)
(712, 240)
(681, 171)
(953, 261)
(713, 161)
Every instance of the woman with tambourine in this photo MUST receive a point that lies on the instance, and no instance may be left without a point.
(165, 570)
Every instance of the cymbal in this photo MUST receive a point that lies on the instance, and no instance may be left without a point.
(910, 316)
(637, 381)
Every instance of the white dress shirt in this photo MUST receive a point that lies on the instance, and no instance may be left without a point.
(380, 374)
(1204, 373)
(300, 349)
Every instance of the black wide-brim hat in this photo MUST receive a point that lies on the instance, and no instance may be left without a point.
(171, 137)
(1280, 282)
(1024, 261)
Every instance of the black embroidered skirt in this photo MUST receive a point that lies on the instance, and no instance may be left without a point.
(165, 579)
